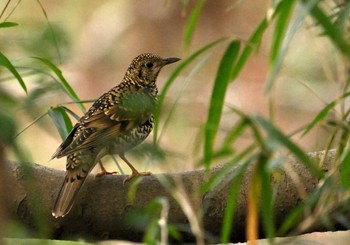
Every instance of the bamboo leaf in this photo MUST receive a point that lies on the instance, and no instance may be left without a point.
(234, 133)
(253, 44)
(308, 203)
(236, 178)
(223, 77)
(72, 113)
(330, 29)
(192, 22)
(171, 79)
(187, 79)
(7, 24)
(63, 82)
(51, 30)
(284, 12)
(4, 61)
(254, 41)
(278, 136)
(267, 201)
(324, 112)
(61, 121)
(302, 11)
(345, 171)
(222, 175)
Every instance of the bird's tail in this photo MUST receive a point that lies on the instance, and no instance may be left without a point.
(66, 196)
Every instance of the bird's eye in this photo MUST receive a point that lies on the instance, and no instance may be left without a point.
(149, 64)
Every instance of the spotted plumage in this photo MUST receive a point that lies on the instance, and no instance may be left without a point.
(119, 120)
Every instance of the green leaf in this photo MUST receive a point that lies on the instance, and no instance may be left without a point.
(292, 219)
(237, 179)
(51, 30)
(331, 30)
(223, 77)
(221, 175)
(343, 140)
(8, 127)
(283, 12)
(63, 82)
(345, 171)
(295, 216)
(7, 99)
(192, 22)
(301, 13)
(76, 117)
(252, 44)
(6, 63)
(267, 200)
(230, 209)
(171, 79)
(61, 121)
(7, 24)
(324, 112)
(277, 135)
(172, 108)
(235, 132)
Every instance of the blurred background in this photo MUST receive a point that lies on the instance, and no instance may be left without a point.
(93, 42)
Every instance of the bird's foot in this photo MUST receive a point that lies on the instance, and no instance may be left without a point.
(104, 172)
(135, 174)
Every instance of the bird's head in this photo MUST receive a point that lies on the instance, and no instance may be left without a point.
(146, 67)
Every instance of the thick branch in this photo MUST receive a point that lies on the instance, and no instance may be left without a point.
(102, 209)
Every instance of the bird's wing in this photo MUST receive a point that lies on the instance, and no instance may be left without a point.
(103, 123)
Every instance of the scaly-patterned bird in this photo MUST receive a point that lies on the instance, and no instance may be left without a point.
(119, 120)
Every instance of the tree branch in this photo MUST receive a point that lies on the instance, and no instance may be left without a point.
(103, 208)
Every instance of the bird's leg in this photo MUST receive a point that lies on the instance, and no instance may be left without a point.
(133, 169)
(104, 171)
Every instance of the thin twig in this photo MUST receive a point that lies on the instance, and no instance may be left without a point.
(6, 5)
(9, 15)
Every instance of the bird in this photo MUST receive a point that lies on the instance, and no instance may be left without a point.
(116, 122)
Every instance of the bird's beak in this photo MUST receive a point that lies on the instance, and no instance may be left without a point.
(168, 61)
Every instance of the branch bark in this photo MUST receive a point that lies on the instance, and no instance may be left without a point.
(103, 208)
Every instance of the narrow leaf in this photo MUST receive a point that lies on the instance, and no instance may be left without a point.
(277, 135)
(66, 87)
(187, 79)
(230, 209)
(192, 22)
(171, 79)
(345, 171)
(253, 44)
(292, 219)
(6, 63)
(267, 201)
(221, 177)
(223, 77)
(51, 30)
(237, 179)
(295, 216)
(301, 12)
(76, 117)
(283, 16)
(234, 133)
(331, 30)
(324, 112)
(61, 121)
(7, 24)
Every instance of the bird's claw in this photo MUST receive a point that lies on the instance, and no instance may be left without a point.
(102, 173)
(135, 174)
